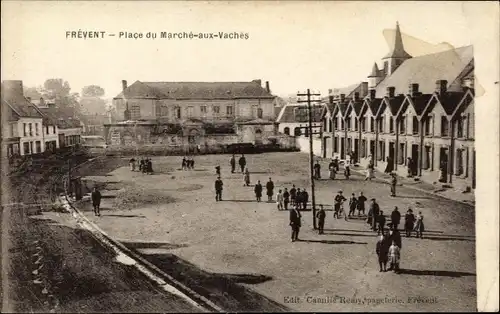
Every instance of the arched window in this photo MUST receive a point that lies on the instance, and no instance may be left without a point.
(286, 131)
(297, 132)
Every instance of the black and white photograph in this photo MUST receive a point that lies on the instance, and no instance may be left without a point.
(249, 156)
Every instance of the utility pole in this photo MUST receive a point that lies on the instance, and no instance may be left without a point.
(311, 154)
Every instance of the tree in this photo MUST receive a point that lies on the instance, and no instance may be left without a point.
(55, 88)
(91, 99)
(92, 91)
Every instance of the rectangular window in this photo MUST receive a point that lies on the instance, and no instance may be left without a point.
(135, 112)
(12, 130)
(36, 129)
(46, 129)
(444, 126)
(203, 109)
(38, 145)
(178, 112)
(216, 109)
(415, 125)
(30, 129)
(25, 133)
(336, 145)
(31, 148)
(460, 127)
(372, 124)
(190, 111)
(53, 129)
(402, 125)
(355, 124)
(163, 111)
(391, 125)
(229, 111)
(381, 125)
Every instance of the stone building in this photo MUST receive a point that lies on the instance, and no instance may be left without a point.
(192, 113)
(419, 108)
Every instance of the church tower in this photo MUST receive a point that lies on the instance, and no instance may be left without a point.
(397, 56)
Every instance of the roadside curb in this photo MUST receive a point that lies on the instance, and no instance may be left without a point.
(419, 189)
(162, 279)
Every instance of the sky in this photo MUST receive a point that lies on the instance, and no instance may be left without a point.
(293, 45)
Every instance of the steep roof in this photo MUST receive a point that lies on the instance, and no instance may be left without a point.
(450, 100)
(427, 69)
(375, 71)
(398, 50)
(19, 105)
(356, 105)
(58, 117)
(394, 103)
(343, 107)
(419, 102)
(290, 113)
(196, 90)
(373, 104)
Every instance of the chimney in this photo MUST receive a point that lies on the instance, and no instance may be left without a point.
(390, 91)
(372, 94)
(441, 86)
(330, 99)
(413, 89)
(342, 97)
(267, 87)
(364, 89)
(13, 87)
(356, 96)
(124, 85)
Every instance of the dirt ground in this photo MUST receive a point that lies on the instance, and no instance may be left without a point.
(241, 244)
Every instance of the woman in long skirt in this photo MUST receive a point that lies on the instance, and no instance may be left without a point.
(419, 226)
(333, 171)
(409, 222)
(246, 177)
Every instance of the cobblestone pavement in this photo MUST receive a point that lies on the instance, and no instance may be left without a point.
(240, 245)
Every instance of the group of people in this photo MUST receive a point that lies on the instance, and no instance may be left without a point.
(145, 165)
(241, 161)
(296, 197)
(333, 169)
(187, 163)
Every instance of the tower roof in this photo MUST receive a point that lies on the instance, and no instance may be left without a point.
(375, 71)
(398, 51)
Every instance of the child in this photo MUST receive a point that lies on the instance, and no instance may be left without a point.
(217, 170)
(394, 256)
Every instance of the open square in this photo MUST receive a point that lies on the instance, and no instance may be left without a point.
(249, 242)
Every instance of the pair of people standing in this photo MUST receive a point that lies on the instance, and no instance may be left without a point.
(413, 223)
(187, 163)
(146, 166)
(269, 190)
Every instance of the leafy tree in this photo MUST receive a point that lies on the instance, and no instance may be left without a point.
(91, 99)
(92, 91)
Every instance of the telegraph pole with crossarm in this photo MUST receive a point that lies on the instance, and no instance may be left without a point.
(311, 154)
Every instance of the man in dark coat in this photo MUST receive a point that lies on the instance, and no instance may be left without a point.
(96, 201)
(381, 223)
(233, 163)
(321, 215)
(317, 170)
(305, 199)
(243, 162)
(353, 203)
(218, 189)
(382, 250)
(395, 218)
(286, 198)
(258, 191)
(409, 222)
(336, 164)
(338, 203)
(295, 223)
(361, 203)
(269, 190)
(293, 194)
(184, 163)
(375, 210)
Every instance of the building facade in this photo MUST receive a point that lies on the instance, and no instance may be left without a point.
(418, 116)
(185, 113)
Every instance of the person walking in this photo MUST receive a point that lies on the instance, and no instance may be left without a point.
(394, 182)
(317, 170)
(353, 203)
(246, 178)
(184, 163)
(375, 210)
(419, 226)
(336, 164)
(293, 195)
(409, 166)
(381, 223)
(305, 199)
(390, 165)
(279, 200)
(258, 191)
(361, 203)
(96, 201)
(409, 222)
(286, 198)
(321, 215)
(395, 218)
(233, 163)
(295, 223)
(347, 169)
(218, 189)
(243, 162)
(270, 190)
(382, 250)
(298, 199)
(132, 164)
(338, 204)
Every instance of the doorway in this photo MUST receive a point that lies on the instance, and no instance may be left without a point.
(391, 150)
(414, 158)
(356, 149)
(342, 148)
(443, 163)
